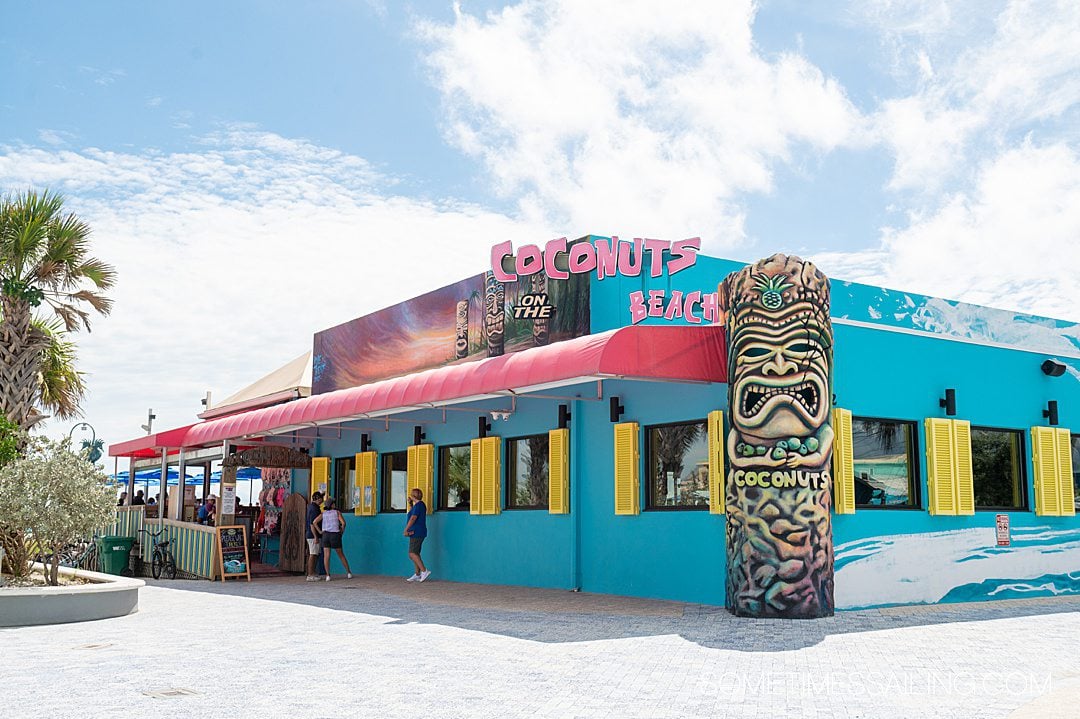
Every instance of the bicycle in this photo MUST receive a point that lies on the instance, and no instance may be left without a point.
(162, 559)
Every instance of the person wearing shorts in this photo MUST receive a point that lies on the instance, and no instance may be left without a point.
(331, 525)
(313, 510)
(416, 531)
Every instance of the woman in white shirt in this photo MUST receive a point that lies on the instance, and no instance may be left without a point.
(330, 525)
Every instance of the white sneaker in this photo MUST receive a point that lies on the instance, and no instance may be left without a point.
(413, 578)
(309, 578)
(328, 577)
(423, 576)
(348, 575)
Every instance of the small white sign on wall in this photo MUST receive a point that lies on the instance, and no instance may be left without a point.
(228, 499)
(1002, 530)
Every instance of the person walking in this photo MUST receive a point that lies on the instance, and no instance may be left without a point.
(314, 509)
(416, 531)
(331, 525)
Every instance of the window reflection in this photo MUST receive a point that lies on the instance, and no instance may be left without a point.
(678, 466)
(996, 462)
(884, 468)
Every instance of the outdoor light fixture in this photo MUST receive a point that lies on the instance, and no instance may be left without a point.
(949, 402)
(1051, 412)
(485, 427)
(206, 400)
(365, 442)
(92, 452)
(564, 415)
(616, 409)
(418, 435)
(1053, 368)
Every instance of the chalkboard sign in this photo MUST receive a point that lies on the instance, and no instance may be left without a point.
(233, 552)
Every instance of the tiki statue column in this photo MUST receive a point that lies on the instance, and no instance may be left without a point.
(494, 314)
(779, 448)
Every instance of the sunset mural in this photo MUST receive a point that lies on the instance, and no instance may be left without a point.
(428, 331)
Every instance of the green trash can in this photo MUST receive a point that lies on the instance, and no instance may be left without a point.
(113, 553)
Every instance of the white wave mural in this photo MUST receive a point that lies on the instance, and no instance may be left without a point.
(956, 566)
(960, 320)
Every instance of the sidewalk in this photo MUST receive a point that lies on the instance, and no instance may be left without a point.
(379, 646)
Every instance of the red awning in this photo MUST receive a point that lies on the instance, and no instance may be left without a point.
(150, 445)
(688, 354)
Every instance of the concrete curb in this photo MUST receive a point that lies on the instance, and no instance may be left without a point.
(106, 596)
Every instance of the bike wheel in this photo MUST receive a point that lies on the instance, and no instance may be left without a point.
(170, 568)
(155, 565)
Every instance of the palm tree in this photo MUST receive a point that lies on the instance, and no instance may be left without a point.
(44, 258)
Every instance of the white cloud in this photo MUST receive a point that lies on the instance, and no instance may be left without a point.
(988, 74)
(608, 114)
(1008, 242)
(55, 137)
(231, 258)
(987, 165)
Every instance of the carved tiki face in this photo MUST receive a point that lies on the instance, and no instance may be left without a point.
(780, 353)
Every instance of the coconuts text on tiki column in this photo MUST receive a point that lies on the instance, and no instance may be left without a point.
(779, 447)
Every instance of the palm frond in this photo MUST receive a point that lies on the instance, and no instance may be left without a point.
(61, 387)
(102, 274)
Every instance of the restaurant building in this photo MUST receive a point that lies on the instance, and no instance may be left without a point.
(632, 417)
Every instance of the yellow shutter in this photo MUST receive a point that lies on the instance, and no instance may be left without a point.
(425, 457)
(843, 463)
(627, 461)
(420, 471)
(1067, 491)
(490, 472)
(1044, 457)
(940, 480)
(411, 469)
(962, 469)
(476, 451)
(559, 471)
(320, 476)
(717, 486)
(366, 462)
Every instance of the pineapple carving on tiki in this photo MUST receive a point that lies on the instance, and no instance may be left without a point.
(779, 447)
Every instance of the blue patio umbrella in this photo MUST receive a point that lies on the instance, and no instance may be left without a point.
(241, 473)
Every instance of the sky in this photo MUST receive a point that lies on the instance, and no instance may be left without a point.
(259, 170)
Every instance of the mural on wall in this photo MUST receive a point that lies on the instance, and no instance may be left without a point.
(960, 565)
(854, 302)
(463, 322)
(779, 447)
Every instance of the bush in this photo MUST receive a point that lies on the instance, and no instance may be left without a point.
(53, 497)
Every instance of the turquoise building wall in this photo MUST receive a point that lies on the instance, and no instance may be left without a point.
(895, 354)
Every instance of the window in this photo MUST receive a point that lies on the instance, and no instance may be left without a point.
(395, 479)
(883, 451)
(527, 472)
(997, 456)
(678, 466)
(346, 495)
(455, 464)
(1076, 470)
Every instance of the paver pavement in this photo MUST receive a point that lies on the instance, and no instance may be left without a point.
(380, 647)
